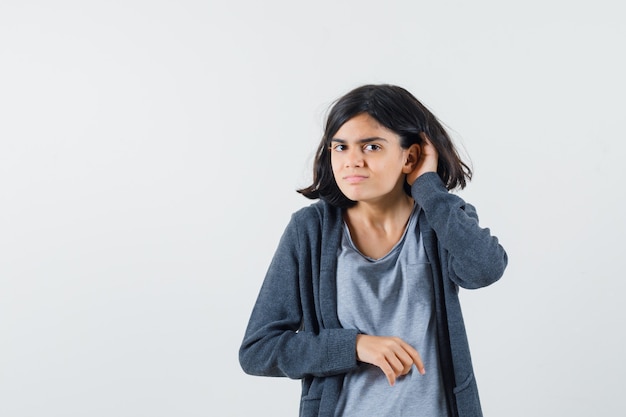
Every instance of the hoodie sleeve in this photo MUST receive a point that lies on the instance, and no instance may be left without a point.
(275, 342)
(476, 257)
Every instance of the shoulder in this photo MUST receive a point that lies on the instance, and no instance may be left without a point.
(314, 230)
(316, 212)
(316, 218)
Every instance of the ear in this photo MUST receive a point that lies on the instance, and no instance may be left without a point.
(412, 158)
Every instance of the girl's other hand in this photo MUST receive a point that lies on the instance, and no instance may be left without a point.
(392, 355)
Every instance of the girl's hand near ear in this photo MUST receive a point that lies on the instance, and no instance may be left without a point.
(426, 162)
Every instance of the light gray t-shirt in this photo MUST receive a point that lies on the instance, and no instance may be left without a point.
(390, 296)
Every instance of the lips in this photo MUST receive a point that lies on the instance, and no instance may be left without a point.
(354, 179)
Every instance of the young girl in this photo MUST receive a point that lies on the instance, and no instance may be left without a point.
(360, 300)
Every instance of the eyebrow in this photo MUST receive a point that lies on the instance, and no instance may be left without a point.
(366, 140)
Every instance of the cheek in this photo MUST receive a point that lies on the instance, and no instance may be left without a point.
(334, 164)
(392, 172)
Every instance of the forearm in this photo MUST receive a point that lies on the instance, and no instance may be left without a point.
(298, 354)
(477, 258)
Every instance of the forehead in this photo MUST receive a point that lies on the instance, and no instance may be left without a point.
(364, 126)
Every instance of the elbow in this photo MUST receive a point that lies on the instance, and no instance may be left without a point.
(483, 274)
(244, 362)
(255, 360)
(249, 364)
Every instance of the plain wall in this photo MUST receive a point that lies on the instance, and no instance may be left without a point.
(149, 153)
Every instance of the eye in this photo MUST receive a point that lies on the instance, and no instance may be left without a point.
(338, 147)
(372, 147)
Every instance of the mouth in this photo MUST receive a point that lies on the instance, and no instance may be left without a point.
(354, 179)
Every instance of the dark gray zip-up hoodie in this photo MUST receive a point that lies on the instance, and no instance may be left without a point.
(294, 330)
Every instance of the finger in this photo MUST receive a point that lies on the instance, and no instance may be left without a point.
(426, 139)
(428, 147)
(415, 357)
(389, 373)
(417, 360)
(403, 362)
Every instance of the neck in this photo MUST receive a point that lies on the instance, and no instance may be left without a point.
(384, 213)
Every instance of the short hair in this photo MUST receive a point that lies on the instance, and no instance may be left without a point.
(397, 110)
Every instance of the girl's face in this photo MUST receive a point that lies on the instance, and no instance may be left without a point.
(367, 160)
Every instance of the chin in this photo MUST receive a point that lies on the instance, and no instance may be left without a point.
(352, 195)
(358, 198)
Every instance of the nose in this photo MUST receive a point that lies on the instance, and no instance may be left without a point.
(354, 157)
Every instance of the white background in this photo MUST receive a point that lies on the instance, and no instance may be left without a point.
(149, 153)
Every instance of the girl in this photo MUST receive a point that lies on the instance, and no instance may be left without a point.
(360, 300)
